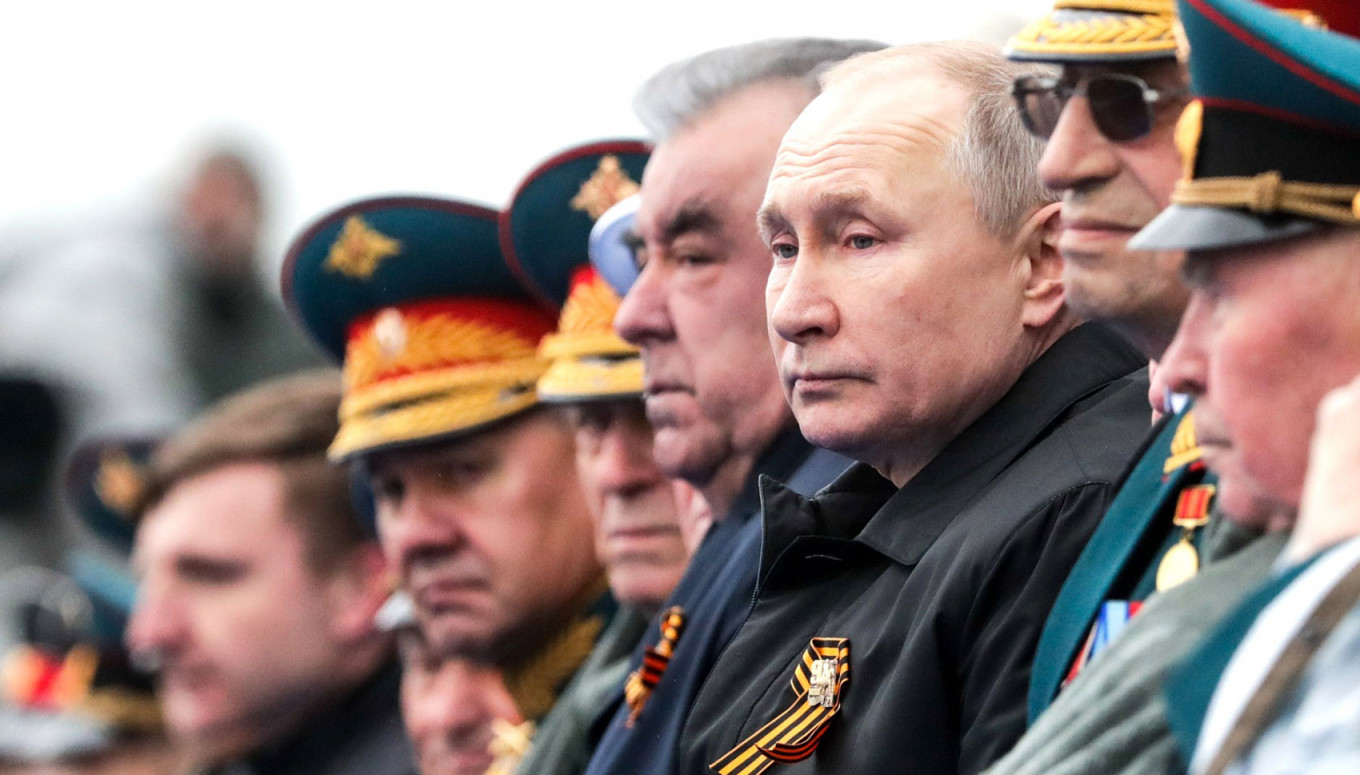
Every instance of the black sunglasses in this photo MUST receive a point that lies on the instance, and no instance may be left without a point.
(1121, 105)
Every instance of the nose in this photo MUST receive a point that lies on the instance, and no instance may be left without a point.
(1077, 155)
(644, 316)
(1185, 365)
(419, 524)
(451, 707)
(796, 301)
(157, 625)
(624, 464)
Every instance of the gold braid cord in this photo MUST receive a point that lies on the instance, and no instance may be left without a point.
(535, 683)
(1112, 34)
(1268, 194)
(592, 377)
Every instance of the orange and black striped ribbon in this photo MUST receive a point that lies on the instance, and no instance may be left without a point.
(638, 688)
(818, 684)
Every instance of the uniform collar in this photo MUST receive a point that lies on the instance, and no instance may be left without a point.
(863, 506)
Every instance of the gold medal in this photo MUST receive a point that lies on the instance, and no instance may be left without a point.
(1179, 564)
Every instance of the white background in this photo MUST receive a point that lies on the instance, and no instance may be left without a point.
(102, 99)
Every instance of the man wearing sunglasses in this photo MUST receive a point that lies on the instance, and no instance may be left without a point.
(1110, 121)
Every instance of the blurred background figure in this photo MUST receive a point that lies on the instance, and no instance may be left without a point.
(129, 319)
(68, 691)
(461, 717)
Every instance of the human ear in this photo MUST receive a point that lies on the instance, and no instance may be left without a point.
(1041, 265)
(359, 588)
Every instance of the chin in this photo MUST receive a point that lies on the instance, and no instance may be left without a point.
(1246, 505)
(680, 455)
(459, 635)
(825, 430)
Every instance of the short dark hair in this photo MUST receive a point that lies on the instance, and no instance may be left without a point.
(289, 423)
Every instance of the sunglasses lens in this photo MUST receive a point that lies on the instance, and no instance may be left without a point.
(1119, 108)
(1040, 105)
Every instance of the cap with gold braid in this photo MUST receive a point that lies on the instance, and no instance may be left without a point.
(545, 233)
(1270, 144)
(1095, 31)
(437, 333)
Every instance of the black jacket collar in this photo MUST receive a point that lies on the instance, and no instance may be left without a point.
(863, 506)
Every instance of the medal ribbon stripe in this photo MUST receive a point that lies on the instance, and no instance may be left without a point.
(638, 688)
(793, 735)
(1192, 506)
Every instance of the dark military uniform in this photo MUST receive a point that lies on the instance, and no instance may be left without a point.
(1269, 153)
(714, 596)
(1122, 558)
(893, 629)
(545, 233)
(1165, 497)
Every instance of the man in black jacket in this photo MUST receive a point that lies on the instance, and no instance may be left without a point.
(916, 309)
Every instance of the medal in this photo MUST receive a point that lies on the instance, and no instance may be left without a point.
(1181, 562)
(822, 682)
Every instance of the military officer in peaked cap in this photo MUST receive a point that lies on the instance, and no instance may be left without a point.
(1267, 209)
(597, 378)
(479, 509)
(1108, 118)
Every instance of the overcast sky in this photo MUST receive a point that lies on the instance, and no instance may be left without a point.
(345, 99)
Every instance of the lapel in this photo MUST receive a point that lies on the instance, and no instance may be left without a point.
(1141, 498)
(1189, 686)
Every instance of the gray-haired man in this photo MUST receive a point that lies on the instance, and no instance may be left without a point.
(712, 391)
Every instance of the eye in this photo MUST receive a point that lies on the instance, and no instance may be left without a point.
(388, 489)
(210, 572)
(862, 241)
(784, 251)
(693, 259)
(460, 471)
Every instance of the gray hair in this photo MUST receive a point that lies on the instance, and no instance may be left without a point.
(993, 153)
(684, 91)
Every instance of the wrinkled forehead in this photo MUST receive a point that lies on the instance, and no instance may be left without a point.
(717, 167)
(912, 96)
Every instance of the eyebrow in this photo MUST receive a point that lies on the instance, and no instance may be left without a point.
(831, 208)
(770, 220)
(691, 217)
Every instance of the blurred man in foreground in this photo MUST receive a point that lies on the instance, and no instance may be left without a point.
(1267, 212)
(258, 591)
